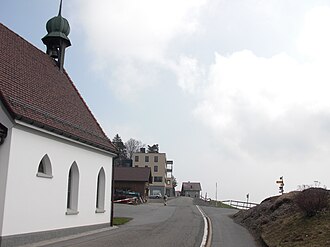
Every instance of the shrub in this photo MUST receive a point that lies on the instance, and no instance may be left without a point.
(312, 200)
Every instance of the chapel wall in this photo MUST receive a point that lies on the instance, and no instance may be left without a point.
(39, 204)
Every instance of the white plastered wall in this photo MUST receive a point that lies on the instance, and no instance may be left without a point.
(4, 157)
(39, 204)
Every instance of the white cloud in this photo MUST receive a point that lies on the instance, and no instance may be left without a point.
(315, 37)
(190, 74)
(266, 110)
(271, 109)
(122, 32)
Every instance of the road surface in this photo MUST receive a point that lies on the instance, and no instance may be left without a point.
(226, 233)
(177, 224)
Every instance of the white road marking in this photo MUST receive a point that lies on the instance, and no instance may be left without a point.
(203, 244)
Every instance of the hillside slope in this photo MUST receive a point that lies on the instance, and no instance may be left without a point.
(300, 218)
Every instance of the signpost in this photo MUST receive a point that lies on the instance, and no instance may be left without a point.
(280, 183)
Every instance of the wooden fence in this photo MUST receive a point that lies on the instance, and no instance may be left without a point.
(240, 204)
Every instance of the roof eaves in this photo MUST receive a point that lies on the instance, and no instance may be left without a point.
(62, 133)
(7, 105)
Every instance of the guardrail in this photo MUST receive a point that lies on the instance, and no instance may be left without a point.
(240, 204)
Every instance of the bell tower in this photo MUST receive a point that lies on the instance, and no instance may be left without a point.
(57, 40)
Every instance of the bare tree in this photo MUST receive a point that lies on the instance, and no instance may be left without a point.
(133, 146)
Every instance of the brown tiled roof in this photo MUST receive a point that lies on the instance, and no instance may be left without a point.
(191, 186)
(136, 174)
(34, 91)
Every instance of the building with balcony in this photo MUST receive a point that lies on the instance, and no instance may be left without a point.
(170, 189)
(159, 171)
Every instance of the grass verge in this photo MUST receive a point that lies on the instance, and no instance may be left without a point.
(117, 221)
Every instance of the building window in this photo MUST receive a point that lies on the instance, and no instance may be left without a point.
(3, 133)
(136, 158)
(45, 168)
(146, 166)
(155, 158)
(73, 188)
(155, 168)
(146, 159)
(158, 179)
(100, 192)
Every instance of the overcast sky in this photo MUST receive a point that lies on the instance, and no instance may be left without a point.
(235, 92)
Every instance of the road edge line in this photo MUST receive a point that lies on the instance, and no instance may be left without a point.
(207, 236)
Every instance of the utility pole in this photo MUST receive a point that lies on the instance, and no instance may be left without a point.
(216, 194)
(247, 200)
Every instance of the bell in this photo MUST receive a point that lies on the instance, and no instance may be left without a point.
(53, 52)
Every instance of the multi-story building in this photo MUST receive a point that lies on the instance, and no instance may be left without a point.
(158, 165)
(170, 190)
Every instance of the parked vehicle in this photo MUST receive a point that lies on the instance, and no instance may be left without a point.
(122, 194)
(156, 196)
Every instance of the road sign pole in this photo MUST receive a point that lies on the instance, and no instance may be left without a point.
(216, 194)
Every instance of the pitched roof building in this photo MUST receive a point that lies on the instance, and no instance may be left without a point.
(139, 174)
(191, 189)
(55, 159)
(35, 92)
(133, 179)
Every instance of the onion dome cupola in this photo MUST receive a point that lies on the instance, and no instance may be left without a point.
(57, 40)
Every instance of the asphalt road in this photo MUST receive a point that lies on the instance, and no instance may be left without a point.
(227, 233)
(177, 224)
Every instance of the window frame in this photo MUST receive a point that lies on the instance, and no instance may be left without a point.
(161, 180)
(45, 168)
(156, 159)
(100, 192)
(72, 190)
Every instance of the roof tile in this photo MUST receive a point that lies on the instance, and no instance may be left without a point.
(35, 91)
(138, 174)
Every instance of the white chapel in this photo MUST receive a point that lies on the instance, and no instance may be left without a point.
(55, 159)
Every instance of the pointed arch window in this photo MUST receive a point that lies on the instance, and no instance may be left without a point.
(45, 168)
(73, 189)
(100, 192)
